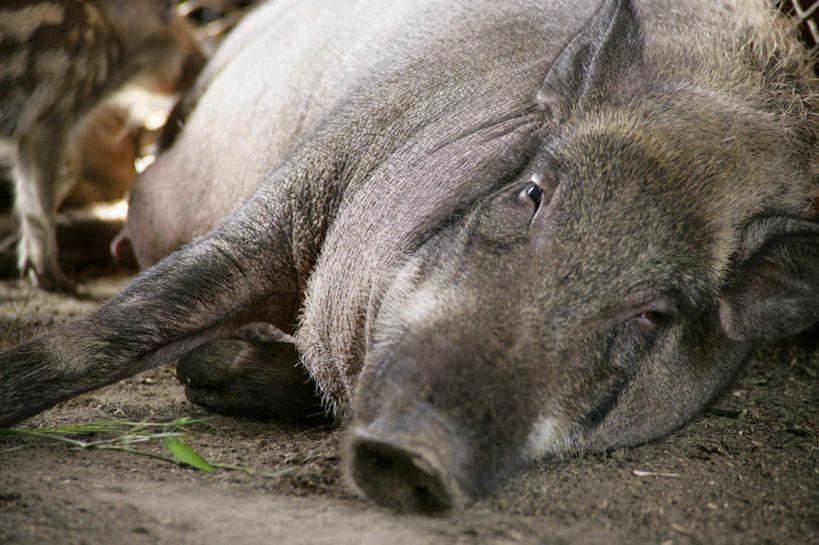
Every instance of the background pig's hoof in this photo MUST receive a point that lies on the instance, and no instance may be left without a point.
(51, 280)
(264, 381)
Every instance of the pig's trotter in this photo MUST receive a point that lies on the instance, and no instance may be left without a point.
(37, 256)
(264, 381)
(47, 276)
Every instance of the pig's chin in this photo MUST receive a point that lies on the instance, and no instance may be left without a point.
(411, 459)
(551, 436)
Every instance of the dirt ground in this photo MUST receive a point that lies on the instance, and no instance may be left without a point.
(746, 472)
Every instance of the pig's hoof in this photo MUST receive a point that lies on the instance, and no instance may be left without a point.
(54, 281)
(262, 381)
(45, 274)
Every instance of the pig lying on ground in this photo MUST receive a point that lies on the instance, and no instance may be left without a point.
(497, 230)
(57, 61)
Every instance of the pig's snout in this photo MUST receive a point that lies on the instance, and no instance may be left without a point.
(410, 472)
(402, 478)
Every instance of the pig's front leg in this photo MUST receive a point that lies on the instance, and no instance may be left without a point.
(244, 271)
(255, 375)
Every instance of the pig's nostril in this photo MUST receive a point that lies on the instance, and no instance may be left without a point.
(423, 496)
(401, 478)
(382, 463)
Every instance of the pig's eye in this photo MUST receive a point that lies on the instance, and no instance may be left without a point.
(533, 192)
(652, 320)
(656, 315)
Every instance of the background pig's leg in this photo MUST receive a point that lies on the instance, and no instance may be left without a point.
(35, 176)
(247, 270)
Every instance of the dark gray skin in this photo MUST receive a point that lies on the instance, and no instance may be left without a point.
(498, 231)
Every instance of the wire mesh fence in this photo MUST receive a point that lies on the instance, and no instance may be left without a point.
(805, 14)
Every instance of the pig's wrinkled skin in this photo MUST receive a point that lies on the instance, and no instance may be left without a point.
(497, 230)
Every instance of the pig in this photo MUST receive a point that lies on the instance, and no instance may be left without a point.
(496, 231)
(101, 155)
(58, 61)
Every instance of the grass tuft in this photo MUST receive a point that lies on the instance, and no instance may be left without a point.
(122, 436)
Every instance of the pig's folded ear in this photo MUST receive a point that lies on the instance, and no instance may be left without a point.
(602, 59)
(774, 292)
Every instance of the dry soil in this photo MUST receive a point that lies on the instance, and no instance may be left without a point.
(746, 472)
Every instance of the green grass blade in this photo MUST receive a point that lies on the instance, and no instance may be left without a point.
(187, 455)
(120, 435)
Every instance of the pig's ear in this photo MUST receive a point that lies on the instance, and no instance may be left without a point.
(602, 59)
(774, 292)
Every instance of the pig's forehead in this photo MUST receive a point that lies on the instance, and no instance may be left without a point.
(632, 253)
(622, 215)
(663, 186)
(722, 160)
(610, 183)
